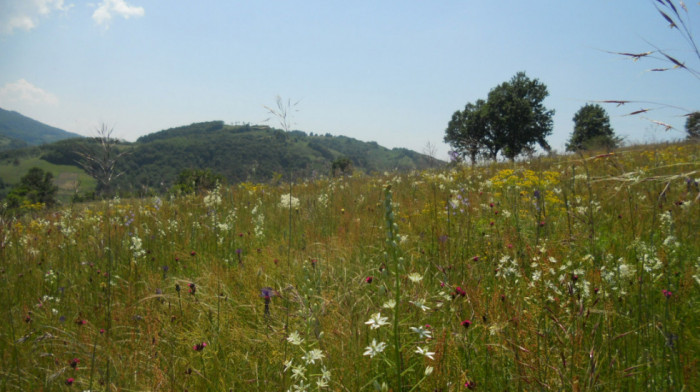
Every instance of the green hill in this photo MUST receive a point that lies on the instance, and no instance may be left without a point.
(240, 153)
(18, 131)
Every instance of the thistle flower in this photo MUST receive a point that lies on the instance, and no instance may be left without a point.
(466, 323)
(74, 363)
(368, 279)
(69, 381)
(199, 346)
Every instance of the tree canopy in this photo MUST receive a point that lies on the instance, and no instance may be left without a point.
(512, 120)
(592, 130)
(692, 125)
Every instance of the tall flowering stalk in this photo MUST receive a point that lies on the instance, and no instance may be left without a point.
(393, 254)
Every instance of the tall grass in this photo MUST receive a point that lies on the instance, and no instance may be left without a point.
(564, 273)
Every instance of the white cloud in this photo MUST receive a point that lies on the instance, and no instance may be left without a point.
(25, 14)
(108, 8)
(22, 93)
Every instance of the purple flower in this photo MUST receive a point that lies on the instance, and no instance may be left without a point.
(267, 292)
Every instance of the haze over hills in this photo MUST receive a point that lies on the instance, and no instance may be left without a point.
(17, 130)
(239, 153)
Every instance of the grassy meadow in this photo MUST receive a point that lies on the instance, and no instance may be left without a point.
(569, 273)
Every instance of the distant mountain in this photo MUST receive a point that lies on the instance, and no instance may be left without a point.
(240, 153)
(18, 131)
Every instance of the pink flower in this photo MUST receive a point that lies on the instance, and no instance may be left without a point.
(466, 323)
(199, 346)
(69, 381)
(667, 293)
(368, 279)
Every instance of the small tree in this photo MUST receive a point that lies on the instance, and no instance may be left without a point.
(692, 125)
(35, 187)
(197, 181)
(592, 130)
(341, 166)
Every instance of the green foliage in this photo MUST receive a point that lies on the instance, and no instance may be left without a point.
(341, 166)
(35, 187)
(592, 130)
(468, 130)
(511, 121)
(197, 181)
(517, 116)
(239, 153)
(692, 125)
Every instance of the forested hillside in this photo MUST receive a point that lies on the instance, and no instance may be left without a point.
(18, 131)
(239, 153)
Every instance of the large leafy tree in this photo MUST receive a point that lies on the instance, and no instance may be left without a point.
(517, 116)
(692, 125)
(511, 121)
(467, 131)
(592, 130)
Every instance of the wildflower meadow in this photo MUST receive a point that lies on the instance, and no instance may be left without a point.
(563, 273)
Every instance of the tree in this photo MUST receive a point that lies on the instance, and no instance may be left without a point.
(511, 121)
(692, 125)
(517, 117)
(35, 187)
(592, 130)
(467, 131)
(101, 163)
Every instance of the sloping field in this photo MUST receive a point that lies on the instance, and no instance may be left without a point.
(572, 273)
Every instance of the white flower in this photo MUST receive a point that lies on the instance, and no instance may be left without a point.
(325, 374)
(390, 304)
(421, 304)
(288, 364)
(312, 356)
(301, 386)
(287, 200)
(298, 372)
(428, 370)
(415, 277)
(422, 332)
(424, 351)
(374, 348)
(294, 338)
(377, 321)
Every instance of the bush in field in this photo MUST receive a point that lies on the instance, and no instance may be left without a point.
(197, 181)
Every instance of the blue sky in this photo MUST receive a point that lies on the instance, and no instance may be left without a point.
(386, 71)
